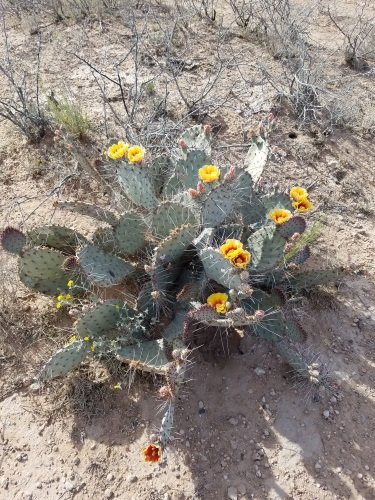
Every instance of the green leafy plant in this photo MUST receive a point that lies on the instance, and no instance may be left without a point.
(69, 115)
(207, 249)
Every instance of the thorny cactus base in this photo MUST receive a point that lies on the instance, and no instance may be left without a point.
(224, 256)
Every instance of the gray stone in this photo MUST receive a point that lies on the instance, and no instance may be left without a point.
(232, 493)
(326, 414)
(259, 371)
(70, 485)
(233, 421)
(108, 494)
(132, 479)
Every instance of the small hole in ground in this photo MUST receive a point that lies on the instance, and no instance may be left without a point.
(292, 135)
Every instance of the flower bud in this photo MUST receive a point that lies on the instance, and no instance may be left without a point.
(182, 144)
(259, 315)
(200, 187)
(193, 193)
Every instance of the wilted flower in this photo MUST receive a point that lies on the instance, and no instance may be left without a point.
(152, 453)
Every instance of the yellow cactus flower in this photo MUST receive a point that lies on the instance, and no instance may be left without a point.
(136, 154)
(218, 301)
(230, 246)
(239, 258)
(86, 339)
(117, 151)
(152, 453)
(70, 284)
(209, 173)
(279, 215)
(297, 193)
(60, 297)
(72, 339)
(68, 297)
(303, 205)
(58, 304)
(93, 347)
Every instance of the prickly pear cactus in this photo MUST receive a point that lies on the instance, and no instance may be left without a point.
(204, 248)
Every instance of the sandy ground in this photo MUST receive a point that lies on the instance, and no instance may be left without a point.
(245, 428)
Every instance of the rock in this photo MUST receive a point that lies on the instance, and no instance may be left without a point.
(27, 495)
(367, 467)
(326, 414)
(258, 473)
(233, 421)
(333, 400)
(70, 485)
(38, 485)
(110, 477)
(232, 493)
(5, 483)
(200, 405)
(242, 489)
(318, 466)
(22, 457)
(93, 446)
(259, 371)
(76, 461)
(132, 479)
(257, 457)
(359, 475)
(108, 494)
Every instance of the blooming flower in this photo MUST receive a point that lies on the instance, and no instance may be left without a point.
(72, 339)
(218, 301)
(239, 258)
(70, 284)
(136, 154)
(209, 173)
(279, 215)
(152, 453)
(302, 205)
(297, 193)
(117, 151)
(230, 246)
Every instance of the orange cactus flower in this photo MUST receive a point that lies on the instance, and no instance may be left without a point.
(209, 173)
(152, 453)
(297, 193)
(239, 258)
(218, 301)
(303, 205)
(279, 215)
(230, 246)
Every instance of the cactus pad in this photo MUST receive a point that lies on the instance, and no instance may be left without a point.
(102, 268)
(65, 360)
(256, 158)
(59, 237)
(148, 356)
(104, 238)
(171, 215)
(42, 269)
(301, 256)
(276, 200)
(196, 138)
(296, 224)
(172, 247)
(188, 166)
(103, 318)
(219, 269)
(267, 247)
(13, 240)
(137, 185)
(130, 233)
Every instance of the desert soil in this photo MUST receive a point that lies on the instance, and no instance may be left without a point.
(245, 428)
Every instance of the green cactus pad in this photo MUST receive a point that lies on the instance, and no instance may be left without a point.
(276, 200)
(172, 187)
(104, 318)
(253, 212)
(42, 269)
(65, 360)
(13, 240)
(220, 269)
(102, 268)
(89, 210)
(187, 167)
(256, 158)
(175, 327)
(267, 247)
(137, 185)
(227, 232)
(130, 233)
(159, 171)
(59, 237)
(296, 224)
(147, 356)
(169, 216)
(171, 248)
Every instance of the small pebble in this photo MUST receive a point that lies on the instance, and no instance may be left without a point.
(76, 461)
(242, 489)
(108, 494)
(5, 483)
(233, 421)
(232, 493)
(258, 473)
(69, 485)
(318, 466)
(326, 414)
(200, 405)
(367, 467)
(38, 485)
(93, 446)
(259, 371)
(110, 477)
(132, 479)
(359, 475)
(333, 400)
